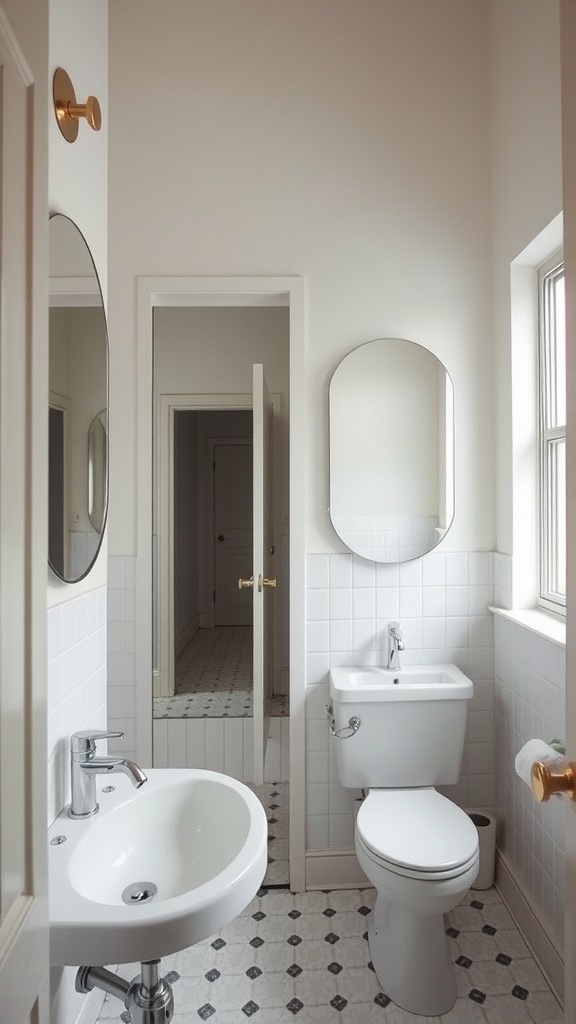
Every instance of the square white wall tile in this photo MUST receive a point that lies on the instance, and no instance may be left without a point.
(529, 705)
(76, 633)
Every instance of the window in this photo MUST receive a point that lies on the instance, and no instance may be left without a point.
(552, 435)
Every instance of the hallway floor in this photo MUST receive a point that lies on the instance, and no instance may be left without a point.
(305, 958)
(214, 678)
(216, 659)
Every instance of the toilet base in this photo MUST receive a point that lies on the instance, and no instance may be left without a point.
(410, 957)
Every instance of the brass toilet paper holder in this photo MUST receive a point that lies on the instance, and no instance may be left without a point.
(545, 782)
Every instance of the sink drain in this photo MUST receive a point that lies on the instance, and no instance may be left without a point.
(139, 892)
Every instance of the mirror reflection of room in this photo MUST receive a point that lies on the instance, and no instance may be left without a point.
(203, 509)
(78, 381)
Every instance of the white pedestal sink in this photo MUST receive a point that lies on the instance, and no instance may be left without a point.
(188, 851)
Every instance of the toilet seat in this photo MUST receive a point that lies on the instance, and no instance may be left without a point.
(417, 833)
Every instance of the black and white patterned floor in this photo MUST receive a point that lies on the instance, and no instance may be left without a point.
(220, 704)
(305, 958)
(213, 678)
(274, 797)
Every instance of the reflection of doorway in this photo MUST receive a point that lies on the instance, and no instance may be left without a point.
(222, 745)
(212, 548)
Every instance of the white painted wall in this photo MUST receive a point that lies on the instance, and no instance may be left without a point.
(526, 186)
(345, 142)
(207, 350)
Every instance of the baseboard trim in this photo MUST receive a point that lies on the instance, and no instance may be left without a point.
(186, 635)
(284, 684)
(549, 959)
(334, 869)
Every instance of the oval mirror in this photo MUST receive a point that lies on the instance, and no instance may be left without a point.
(391, 450)
(77, 426)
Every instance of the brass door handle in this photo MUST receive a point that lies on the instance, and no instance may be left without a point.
(545, 782)
(264, 582)
(245, 583)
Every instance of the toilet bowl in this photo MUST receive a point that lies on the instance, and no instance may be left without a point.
(396, 735)
(420, 851)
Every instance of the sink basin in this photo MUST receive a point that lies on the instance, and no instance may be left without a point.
(156, 869)
(416, 682)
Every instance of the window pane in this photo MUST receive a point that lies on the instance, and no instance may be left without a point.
(557, 518)
(558, 354)
(552, 434)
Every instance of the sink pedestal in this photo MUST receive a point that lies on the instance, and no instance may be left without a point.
(148, 998)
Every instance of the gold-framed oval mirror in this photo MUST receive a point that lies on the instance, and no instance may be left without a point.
(391, 450)
(78, 382)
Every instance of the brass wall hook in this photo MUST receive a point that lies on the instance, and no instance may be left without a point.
(68, 111)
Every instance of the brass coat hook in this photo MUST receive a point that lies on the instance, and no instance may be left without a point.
(68, 111)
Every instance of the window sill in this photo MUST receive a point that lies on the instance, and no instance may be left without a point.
(548, 626)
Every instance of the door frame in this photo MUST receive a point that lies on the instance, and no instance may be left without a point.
(568, 70)
(227, 291)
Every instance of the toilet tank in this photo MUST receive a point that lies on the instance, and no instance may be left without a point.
(412, 725)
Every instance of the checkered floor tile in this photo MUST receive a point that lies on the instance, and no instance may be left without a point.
(274, 797)
(305, 958)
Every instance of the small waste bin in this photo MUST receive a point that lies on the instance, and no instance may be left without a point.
(486, 828)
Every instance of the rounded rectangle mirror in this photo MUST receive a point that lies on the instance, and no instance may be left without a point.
(391, 450)
(78, 402)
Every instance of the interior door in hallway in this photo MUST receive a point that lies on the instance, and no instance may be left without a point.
(232, 533)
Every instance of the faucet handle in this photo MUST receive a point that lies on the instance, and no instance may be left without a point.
(84, 741)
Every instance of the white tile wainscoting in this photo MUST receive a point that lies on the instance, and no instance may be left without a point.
(442, 603)
(530, 702)
(221, 745)
(76, 632)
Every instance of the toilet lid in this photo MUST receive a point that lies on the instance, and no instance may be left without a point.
(417, 830)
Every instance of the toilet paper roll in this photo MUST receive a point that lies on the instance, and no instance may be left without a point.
(536, 750)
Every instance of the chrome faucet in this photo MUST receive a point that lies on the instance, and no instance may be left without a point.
(85, 766)
(395, 645)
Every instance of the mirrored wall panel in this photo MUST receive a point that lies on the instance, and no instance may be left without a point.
(78, 402)
(391, 450)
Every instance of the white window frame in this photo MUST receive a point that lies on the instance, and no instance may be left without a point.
(550, 438)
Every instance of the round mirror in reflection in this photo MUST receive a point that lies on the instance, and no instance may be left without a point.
(78, 401)
(391, 450)
(97, 470)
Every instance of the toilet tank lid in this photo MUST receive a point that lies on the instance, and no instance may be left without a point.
(417, 829)
(373, 684)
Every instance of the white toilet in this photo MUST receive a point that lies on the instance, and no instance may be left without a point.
(397, 735)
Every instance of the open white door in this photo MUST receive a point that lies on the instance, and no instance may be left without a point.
(23, 516)
(568, 36)
(263, 583)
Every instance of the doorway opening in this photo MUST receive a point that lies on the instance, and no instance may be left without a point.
(225, 744)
